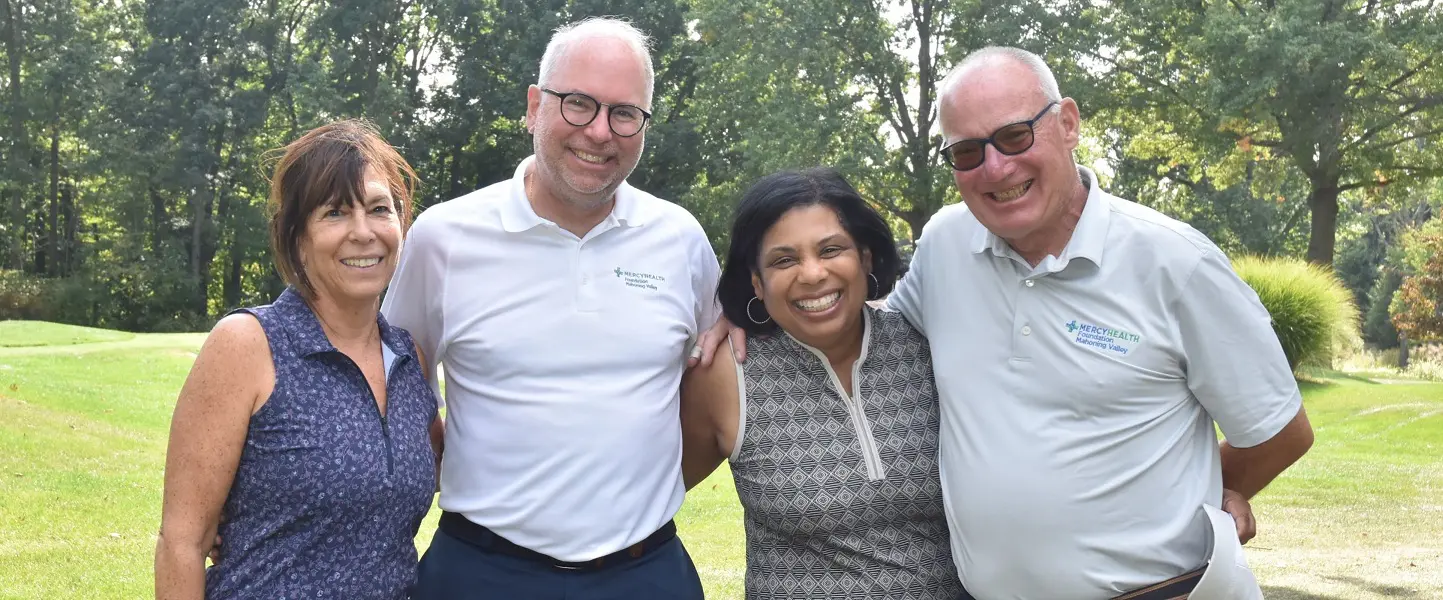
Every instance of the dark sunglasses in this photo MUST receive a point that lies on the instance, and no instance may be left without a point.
(1011, 140)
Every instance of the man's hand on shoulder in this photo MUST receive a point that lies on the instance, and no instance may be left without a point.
(706, 345)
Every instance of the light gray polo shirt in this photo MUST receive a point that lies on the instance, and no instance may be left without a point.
(1079, 396)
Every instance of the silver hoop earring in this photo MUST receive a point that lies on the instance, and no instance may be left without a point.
(754, 319)
(876, 289)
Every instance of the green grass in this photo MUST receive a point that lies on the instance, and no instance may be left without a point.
(39, 333)
(82, 449)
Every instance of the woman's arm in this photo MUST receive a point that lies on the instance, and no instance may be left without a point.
(710, 410)
(231, 378)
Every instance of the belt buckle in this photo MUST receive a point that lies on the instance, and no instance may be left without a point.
(565, 567)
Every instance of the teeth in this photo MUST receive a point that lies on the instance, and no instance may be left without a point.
(818, 304)
(591, 158)
(360, 262)
(1013, 193)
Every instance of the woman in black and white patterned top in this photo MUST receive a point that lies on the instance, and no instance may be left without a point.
(830, 426)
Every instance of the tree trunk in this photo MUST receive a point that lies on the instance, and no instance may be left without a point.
(36, 235)
(200, 216)
(67, 214)
(1323, 203)
(230, 282)
(203, 230)
(159, 223)
(916, 218)
(52, 229)
(231, 287)
(14, 50)
(1402, 351)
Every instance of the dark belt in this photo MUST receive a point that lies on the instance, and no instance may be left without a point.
(1172, 589)
(461, 528)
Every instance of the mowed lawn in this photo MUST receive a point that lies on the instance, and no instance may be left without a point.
(83, 425)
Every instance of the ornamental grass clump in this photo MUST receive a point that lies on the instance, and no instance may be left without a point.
(1313, 313)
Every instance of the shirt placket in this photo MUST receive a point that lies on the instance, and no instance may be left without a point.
(1024, 300)
(585, 265)
(584, 271)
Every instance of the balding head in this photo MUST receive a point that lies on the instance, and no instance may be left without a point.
(570, 37)
(1012, 60)
(995, 76)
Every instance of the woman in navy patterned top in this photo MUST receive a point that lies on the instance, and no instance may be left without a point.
(306, 435)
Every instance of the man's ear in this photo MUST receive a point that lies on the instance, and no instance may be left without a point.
(533, 107)
(1071, 119)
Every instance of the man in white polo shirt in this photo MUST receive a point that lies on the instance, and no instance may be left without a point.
(562, 303)
(1084, 347)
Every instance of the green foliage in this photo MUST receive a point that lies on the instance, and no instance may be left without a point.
(1313, 314)
(1378, 328)
(22, 296)
(1335, 99)
(133, 132)
(1415, 307)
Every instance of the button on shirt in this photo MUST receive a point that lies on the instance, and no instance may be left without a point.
(1079, 396)
(563, 360)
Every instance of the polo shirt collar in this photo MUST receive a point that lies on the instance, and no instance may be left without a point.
(1088, 237)
(517, 215)
(309, 338)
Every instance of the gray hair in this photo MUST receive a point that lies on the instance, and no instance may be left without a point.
(592, 28)
(1047, 83)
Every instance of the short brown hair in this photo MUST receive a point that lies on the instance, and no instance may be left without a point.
(325, 167)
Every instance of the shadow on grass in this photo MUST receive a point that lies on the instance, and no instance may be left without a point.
(1282, 593)
(1315, 379)
(1380, 589)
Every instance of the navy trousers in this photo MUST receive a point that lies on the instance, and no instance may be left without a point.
(455, 570)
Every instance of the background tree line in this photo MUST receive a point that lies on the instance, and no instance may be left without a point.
(133, 133)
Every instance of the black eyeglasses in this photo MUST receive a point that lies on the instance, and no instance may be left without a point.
(580, 110)
(1013, 139)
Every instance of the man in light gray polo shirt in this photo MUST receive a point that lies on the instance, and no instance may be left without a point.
(1084, 347)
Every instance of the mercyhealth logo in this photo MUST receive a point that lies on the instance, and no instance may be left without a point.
(1106, 339)
(638, 279)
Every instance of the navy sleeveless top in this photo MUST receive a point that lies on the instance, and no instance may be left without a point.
(329, 492)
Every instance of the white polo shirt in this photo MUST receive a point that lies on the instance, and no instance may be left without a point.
(563, 361)
(1078, 397)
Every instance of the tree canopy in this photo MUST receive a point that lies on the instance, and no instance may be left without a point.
(135, 134)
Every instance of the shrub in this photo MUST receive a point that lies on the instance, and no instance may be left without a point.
(22, 297)
(1313, 313)
(1415, 307)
